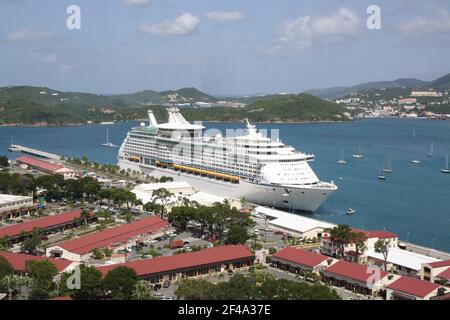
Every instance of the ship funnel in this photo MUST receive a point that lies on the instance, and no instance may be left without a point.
(151, 118)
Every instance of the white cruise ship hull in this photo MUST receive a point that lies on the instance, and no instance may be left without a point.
(306, 198)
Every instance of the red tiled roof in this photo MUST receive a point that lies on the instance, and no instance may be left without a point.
(299, 256)
(40, 164)
(184, 261)
(18, 260)
(115, 235)
(445, 274)
(353, 271)
(381, 234)
(440, 264)
(415, 287)
(41, 223)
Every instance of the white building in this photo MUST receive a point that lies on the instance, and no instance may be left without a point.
(401, 261)
(11, 205)
(294, 224)
(179, 189)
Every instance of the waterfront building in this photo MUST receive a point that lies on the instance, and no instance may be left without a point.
(12, 206)
(400, 261)
(370, 238)
(294, 224)
(192, 264)
(117, 238)
(46, 167)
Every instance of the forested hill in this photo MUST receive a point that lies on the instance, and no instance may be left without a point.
(43, 106)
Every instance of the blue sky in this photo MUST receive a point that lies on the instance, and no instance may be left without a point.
(222, 47)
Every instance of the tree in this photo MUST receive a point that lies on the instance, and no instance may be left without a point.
(13, 284)
(191, 289)
(5, 267)
(342, 235)
(237, 235)
(31, 241)
(4, 243)
(120, 282)
(4, 162)
(382, 246)
(91, 284)
(83, 219)
(42, 272)
(142, 291)
(163, 197)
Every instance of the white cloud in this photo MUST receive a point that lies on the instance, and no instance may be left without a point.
(421, 27)
(28, 36)
(184, 24)
(224, 16)
(301, 33)
(154, 61)
(137, 3)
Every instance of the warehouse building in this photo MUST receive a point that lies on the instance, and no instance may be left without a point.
(117, 238)
(18, 262)
(406, 288)
(300, 261)
(12, 206)
(192, 264)
(47, 225)
(46, 167)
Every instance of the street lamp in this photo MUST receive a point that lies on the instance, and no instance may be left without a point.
(434, 240)
(407, 237)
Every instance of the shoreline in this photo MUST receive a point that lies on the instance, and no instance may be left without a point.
(208, 121)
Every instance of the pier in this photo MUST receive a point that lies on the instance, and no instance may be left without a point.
(34, 152)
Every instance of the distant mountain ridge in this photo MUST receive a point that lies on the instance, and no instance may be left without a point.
(337, 92)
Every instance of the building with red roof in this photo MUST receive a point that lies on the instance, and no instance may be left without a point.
(370, 238)
(431, 271)
(406, 288)
(18, 261)
(300, 261)
(355, 277)
(45, 166)
(47, 225)
(80, 249)
(444, 277)
(180, 266)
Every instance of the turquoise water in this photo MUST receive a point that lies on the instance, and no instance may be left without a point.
(413, 201)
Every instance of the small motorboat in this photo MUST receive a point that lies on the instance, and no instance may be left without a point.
(351, 211)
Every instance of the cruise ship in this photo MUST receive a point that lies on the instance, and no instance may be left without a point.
(247, 166)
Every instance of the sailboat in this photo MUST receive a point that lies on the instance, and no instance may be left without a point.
(107, 143)
(359, 154)
(446, 169)
(431, 151)
(387, 166)
(342, 160)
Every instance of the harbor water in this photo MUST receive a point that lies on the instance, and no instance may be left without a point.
(413, 201)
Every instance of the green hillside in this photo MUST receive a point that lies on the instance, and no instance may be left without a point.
(44, 106)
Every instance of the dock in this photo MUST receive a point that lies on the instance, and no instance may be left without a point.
(34, 152)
